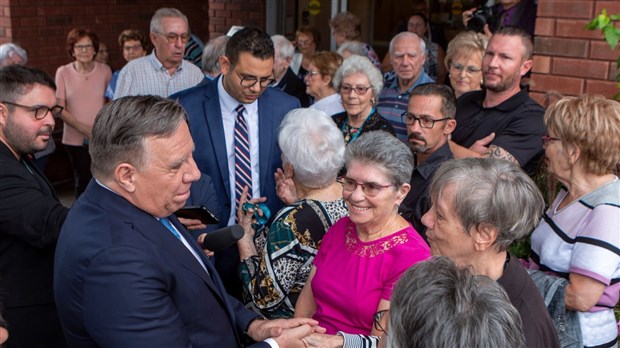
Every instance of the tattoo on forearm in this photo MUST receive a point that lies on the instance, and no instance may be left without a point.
(497, 152)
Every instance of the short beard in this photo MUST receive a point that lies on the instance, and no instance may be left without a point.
(504, 85)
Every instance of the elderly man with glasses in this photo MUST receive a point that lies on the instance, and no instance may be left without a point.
(164, 71)
(234, 121)
(30, 214)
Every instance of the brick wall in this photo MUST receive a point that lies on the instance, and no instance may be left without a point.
(41, 26)
(568, 58)
(226, 13)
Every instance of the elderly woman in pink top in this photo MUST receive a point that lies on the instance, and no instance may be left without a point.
(81, 86)
(363, 255)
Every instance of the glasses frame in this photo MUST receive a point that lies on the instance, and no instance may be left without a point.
(36, 109)
(88, 47)
(547, 138)
(174, 37)
(404, 118)
(346, 90)
(263, 82)
(377, 320)
(312, 73)
(344, 181)
(468, 69)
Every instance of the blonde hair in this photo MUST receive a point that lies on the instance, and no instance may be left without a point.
(464, 45)
(591, 123)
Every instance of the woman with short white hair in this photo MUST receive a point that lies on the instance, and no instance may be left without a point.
(276, 260)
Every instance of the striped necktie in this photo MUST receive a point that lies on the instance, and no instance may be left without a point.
(243, 168)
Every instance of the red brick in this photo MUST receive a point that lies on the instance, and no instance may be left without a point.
(580, 68)
(561, 47)
(575, 28)
(605, 88)
(612, 7)
(22, 11)
(613, 71)
(538, 97)
(601, 50)
(565, 9)
(542, 64)
(565, 85)
(234, 7)
(545, 26)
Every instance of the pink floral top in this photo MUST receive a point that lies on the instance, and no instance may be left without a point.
(352, 276)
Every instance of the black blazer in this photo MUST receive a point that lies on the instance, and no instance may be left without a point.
(30, 220)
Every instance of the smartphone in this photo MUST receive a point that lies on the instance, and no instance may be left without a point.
(198, 212)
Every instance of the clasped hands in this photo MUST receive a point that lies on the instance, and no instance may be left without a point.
(286, 332)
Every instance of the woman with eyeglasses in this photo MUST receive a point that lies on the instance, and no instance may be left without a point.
(134, 45)
(363, 255)
(320, 82)
(464, 61)
(578, 238)
(81, 86)
(359, 83)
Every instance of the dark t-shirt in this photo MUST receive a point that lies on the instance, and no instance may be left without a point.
(517, 122)
(524, 295)
(417, 202)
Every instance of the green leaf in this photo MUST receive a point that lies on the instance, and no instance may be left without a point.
(615, 17)
(612, 36)
(603, 21)
(593, 25)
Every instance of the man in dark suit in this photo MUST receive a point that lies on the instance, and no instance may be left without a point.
(30, 213)
(215, 110)
(127, 273)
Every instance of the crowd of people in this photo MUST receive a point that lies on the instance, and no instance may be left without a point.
(376, 203)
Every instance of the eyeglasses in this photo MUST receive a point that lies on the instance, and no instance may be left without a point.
(469, 70)
(547, 138)
(249, 81)
(40, 111)
(425, 122)
(312, 73)
(173, 37)
(304, 42)
(370, 189)
(359, 90)
(83, 47)
(136, 47)
(377, 320)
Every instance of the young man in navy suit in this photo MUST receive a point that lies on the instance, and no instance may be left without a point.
(127, 273)
(212, 109)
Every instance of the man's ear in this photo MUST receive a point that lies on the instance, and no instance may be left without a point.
(153, 36)
(125, 176)
(450, 126)
(4, 115)
(527, 65)
(484, 236)
(224, 64)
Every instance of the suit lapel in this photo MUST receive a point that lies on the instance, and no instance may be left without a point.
(265, 131)
(215, 126)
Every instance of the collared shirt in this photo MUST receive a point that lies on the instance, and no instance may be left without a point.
(417, 202)
(228, 105)
(517, 123)
(146, 75)
(392, 103)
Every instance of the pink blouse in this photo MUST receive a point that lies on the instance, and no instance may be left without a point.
(353, 276)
